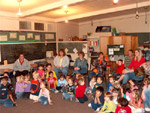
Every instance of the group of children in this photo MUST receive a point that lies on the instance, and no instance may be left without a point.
(119, 99)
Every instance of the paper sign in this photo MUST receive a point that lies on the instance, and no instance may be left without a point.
(85, 48)
(3, 37)
(13, 35)
(37, 37)
(49, 36)
(30, 35)
(121, 46)
(22, 37)
(75, 50)
(111, 51)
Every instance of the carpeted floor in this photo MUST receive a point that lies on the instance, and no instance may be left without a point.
(60, 106)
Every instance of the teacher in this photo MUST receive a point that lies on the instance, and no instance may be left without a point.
(128, 73)
(21, 66)
(61, 63)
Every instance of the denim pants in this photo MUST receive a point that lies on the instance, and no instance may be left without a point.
(95, 106)
(43, 100)
(67, 96)
(64, 70)
(131, 76)
(81, 71)
(82, 99)
(93, 74)
(6, 103)
(19, 94)
(147, 97)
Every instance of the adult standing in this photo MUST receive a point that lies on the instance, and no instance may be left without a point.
(128, 58)
(80, 65)
(21, 66)
(61, 63)
(128, 73)
(99, 66)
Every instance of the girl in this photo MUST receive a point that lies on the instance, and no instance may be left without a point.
(92, 84)
(27, 87)
(116, 93)
(109, 105)
(41, 71)
(127, 91)
(78, 76)
(61, 84)
(51, 82)
(70, 89)
(35, 86)
(132, 85)
(19, 86)
(136, 103)
(44, 95)
(146, 87)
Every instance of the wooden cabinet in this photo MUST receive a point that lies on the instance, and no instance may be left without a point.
(130, 42)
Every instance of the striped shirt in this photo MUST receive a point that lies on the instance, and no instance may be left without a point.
(128, 61)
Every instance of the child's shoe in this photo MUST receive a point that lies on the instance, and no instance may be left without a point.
(89, 105)
(77, 100)
(70, 99)
(56, 91)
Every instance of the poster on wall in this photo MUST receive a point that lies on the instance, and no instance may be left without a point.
(37, 37)
(3, 38)
(22, 37)
(13, 35)
(49, 36)
(30, 35)
(0, 54)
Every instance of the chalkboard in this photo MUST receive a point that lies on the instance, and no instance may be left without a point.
(32, 51)
(71, 46)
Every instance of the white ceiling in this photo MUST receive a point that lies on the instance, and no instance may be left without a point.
(77, 8)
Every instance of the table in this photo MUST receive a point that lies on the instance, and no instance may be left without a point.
(5, 70)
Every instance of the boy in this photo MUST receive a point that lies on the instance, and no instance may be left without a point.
(80, 90)
(122, 106)
(111, 83)
(120, 68)
(98, 99)
(4, 93)
(109, 106)
(99, 82)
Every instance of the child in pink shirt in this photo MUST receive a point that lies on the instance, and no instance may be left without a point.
(41, 71)
(44, 95)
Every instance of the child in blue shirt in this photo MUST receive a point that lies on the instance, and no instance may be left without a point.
(98, 99)
(111, 83)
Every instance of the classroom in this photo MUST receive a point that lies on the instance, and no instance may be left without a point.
(75, 56)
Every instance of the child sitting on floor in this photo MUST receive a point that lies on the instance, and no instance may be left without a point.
(122, 106)
(80, 90)
(4, 93)
(35, 86)
(111, 83)
(44, 95)
(99, 82)
(91, 85)
(109, 106)
(61, 84)
(6, 74)
(132, 85)
(78, 76)
(136, 103)
(98, 99)
(19, 86)
(41, 71)
(116, 93)
(51, 82)
(69, 90)
(27, 87)
(120, 68)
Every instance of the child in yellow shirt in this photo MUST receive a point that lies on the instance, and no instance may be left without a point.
(109, 106)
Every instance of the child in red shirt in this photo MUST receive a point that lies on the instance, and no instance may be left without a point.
(80, 90)
(120, 67)
(51, 82)
(122, 106)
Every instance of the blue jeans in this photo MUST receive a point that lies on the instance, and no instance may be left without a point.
(6, 103)
(131, 76)
(64, 70)
(93, 74)
(19, 94)
(43, 100)
(147, 97)
(67, 96)
(81, 71)
(95, 106)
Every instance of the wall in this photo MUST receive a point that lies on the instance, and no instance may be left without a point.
(126, 23)
(65, 30)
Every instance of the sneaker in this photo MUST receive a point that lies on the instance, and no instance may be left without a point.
(77, 100)
(89, 105)
(98, 109)
(56, 91)
(147, 109)
(70, 99)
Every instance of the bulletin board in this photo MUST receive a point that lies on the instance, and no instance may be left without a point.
(115, 50)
